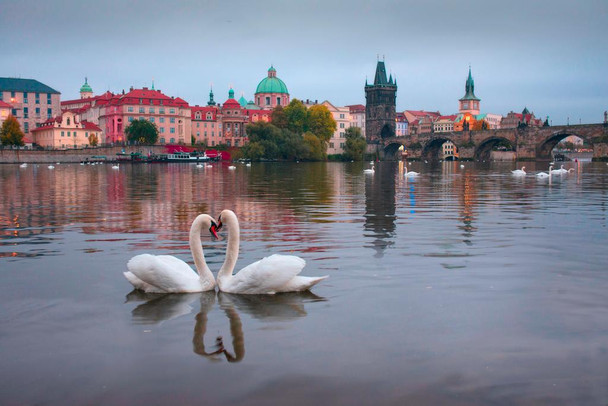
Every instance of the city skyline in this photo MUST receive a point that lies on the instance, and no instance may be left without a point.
(547, 56)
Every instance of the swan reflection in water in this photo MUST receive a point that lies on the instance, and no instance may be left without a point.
(158, 308)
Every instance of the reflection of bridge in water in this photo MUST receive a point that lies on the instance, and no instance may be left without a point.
(528, 143)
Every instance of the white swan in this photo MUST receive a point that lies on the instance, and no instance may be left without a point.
(117, 166)
(519, 172)
(461, 166)
(544, 174)
(232, 167)
(51, 167)
(23, 165)
(410, 174)
(276, 273)
(168, 274)
(559, 171)
(370, 170)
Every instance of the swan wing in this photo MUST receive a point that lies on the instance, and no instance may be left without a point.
(267, 275)
(164, 273)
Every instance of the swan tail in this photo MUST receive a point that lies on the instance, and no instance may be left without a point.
(302, 283)
(139, 284)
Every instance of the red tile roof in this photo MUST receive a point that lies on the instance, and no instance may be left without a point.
(5, 105)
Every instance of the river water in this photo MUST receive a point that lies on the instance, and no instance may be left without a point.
(464, 286)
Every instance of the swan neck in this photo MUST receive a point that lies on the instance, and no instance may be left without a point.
(196, 246)
(232, 250)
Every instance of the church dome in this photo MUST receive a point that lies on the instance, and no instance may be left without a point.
(272, 84)
(86, 88)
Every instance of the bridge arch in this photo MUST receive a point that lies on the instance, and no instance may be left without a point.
(543, 149)
(433, 148)
(391, 151)
(483, 152)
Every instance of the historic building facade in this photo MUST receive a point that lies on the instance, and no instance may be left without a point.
(32, 102)
(343, 121)
(66, 131)
(380, 106)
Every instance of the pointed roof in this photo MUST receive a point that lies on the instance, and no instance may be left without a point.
(469, 88)
(242, 101)
(211, 102)
(380, 79)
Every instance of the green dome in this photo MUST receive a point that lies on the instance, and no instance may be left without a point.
(272, 84)
(86, 88)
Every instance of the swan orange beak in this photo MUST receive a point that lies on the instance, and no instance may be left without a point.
(213, 230)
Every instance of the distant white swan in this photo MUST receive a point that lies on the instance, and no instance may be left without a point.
(273, 274)
(519, 172)
(461, 166)
(168, 274)
(23, 165)
(544, 174)
(410, 174)
(51, 167)
(199, 165)
(232, 167)
(563, 171)
(117, 166)
(370, 170)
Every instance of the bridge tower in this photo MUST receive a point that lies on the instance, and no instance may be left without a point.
(380, 111)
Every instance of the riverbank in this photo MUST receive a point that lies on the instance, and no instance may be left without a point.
(15, 156)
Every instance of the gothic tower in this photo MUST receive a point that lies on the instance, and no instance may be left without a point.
(380, 108)
(469, 103)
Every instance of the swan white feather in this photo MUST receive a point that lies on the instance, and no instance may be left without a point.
(272, 274)
(168, 274)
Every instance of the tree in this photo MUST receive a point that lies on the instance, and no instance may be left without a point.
(142, 131)
(297, 116)
(315, 146)
(93, 140)
(320, 122)
(354, 148)
(278, 117)
(10, 133)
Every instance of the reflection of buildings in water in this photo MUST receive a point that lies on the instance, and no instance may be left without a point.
(273, 308)
(380, 206)
(468, 198)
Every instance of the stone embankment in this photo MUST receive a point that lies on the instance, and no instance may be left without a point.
(14, 156)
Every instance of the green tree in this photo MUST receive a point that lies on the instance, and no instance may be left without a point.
(297, 116)
(316, 148)
(321, 122)
(10, 133)
(93, 140)
(278, 117)
(142, 131)
(355, 145)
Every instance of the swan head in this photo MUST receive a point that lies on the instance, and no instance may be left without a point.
(213, 229)
(225, 213)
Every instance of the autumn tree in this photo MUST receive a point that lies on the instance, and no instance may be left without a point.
(93, 140)
(321, 122)
(316, 148)
(10, 133)
(142, 132)
(278, 117)
(354, 148)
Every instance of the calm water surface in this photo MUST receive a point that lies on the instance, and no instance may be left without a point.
(465, 286)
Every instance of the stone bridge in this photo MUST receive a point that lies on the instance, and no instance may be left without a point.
(529, 143)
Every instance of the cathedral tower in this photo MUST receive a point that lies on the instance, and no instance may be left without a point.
(380, 110)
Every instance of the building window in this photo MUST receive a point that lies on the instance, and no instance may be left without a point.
(62, 134)
(162, 129)
(38, 112)
(268, 101)
(172, 130)
(48, 98)
(142, 110)
(130, 109)
(25, 112)
(162, 140)
(140, 101)
(37, 98)
(12, 95)
(49, 113)
(341, 115)
(24, 97)
(161, 110)
(278, 101)
(161, 119)
(151, 110)
(172, 140)
(209, 117)
(172, 120)
(198, 115)
(14, 112)
(26, 127)
(151, 119)
(341, 125)
(130, 119)
(331, 145)
(171, 111)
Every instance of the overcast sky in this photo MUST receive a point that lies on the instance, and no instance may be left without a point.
(550, 56)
